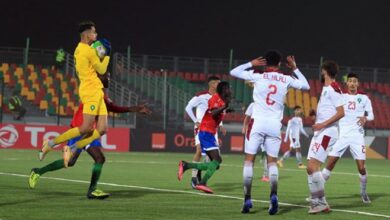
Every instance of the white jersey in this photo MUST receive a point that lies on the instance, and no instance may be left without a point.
(330, 99)
(200, 102)
(249, 110)
(270, 89)
(294, 128)
(356, 106)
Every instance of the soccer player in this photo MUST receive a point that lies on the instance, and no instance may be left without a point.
(247, 126)
(93, 149)
(352, 132)
(88, 66)
(329, 111)
(294, 128)
(217, 108)
(269, 93)
(200, 102)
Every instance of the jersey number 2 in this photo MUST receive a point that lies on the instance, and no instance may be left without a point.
(351, 105)
(273, 91)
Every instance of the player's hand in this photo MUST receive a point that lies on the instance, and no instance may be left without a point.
(362, 121)
(197, 124)
(106, 45)
(291, 63)
(143, 109)
(260, 61)
(319, 126)
(243, 130)
(223, 130)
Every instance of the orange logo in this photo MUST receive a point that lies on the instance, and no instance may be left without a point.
(158, 141)
(237, 143)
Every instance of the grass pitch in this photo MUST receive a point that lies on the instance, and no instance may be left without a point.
(145, 186)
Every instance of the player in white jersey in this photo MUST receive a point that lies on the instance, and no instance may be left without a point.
(293, 132)
(269, 93)
(329, 111)
(200, 103)
(246, 130)
(352, 132)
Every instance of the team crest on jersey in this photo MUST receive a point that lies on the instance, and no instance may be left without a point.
(92, 107)
(359, 100)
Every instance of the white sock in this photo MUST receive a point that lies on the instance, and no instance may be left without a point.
(326, 174)
(298, 155)
(194, 171)
(363, 183)
(318, 185)
(273, 177)
(310, 183)
(286, 155)
(265, 167)
(247, 177)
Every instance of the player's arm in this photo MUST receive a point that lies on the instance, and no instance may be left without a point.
(338, 101)
(302, 129)
(370, 114)
(222, 128)
(193, 103)
(245, 124)
(111, 107)
(215, 112)
(99, 66)
(300, 82)
(287, 131)
(242, 71)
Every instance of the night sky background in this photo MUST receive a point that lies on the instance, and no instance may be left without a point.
(354, 33)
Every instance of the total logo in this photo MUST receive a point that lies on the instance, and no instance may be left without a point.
(8, 136)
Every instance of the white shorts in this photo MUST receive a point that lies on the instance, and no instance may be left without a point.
(263, 137)
(196, 136)
(356, 147)
(295, 143)
(322, 142)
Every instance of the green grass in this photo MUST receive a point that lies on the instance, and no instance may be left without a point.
(61, 199)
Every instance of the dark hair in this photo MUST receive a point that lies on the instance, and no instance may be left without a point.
(85, 25)
(273, 57)
(352, 75)
(222, 86)
(297, 107)
(331, 67)
(211, 78)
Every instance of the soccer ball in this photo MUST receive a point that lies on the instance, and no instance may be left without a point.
(99, 48)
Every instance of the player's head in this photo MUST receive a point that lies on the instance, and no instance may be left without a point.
(352, 82)
(223, 90)
(273, 58)
(87, 31)
(297, 110)
(329, 70)
(213, 82)
(105, 78)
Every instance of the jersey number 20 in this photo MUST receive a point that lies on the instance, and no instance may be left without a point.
(273, 91)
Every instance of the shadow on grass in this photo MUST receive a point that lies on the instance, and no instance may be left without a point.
(354, 200)
(226, 186)
(136, 193)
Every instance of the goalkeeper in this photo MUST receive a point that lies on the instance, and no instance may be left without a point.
(88, 65)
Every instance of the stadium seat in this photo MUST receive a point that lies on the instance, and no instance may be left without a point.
(43, 105)
(188, 76)
(291, 98)
(202, 77)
